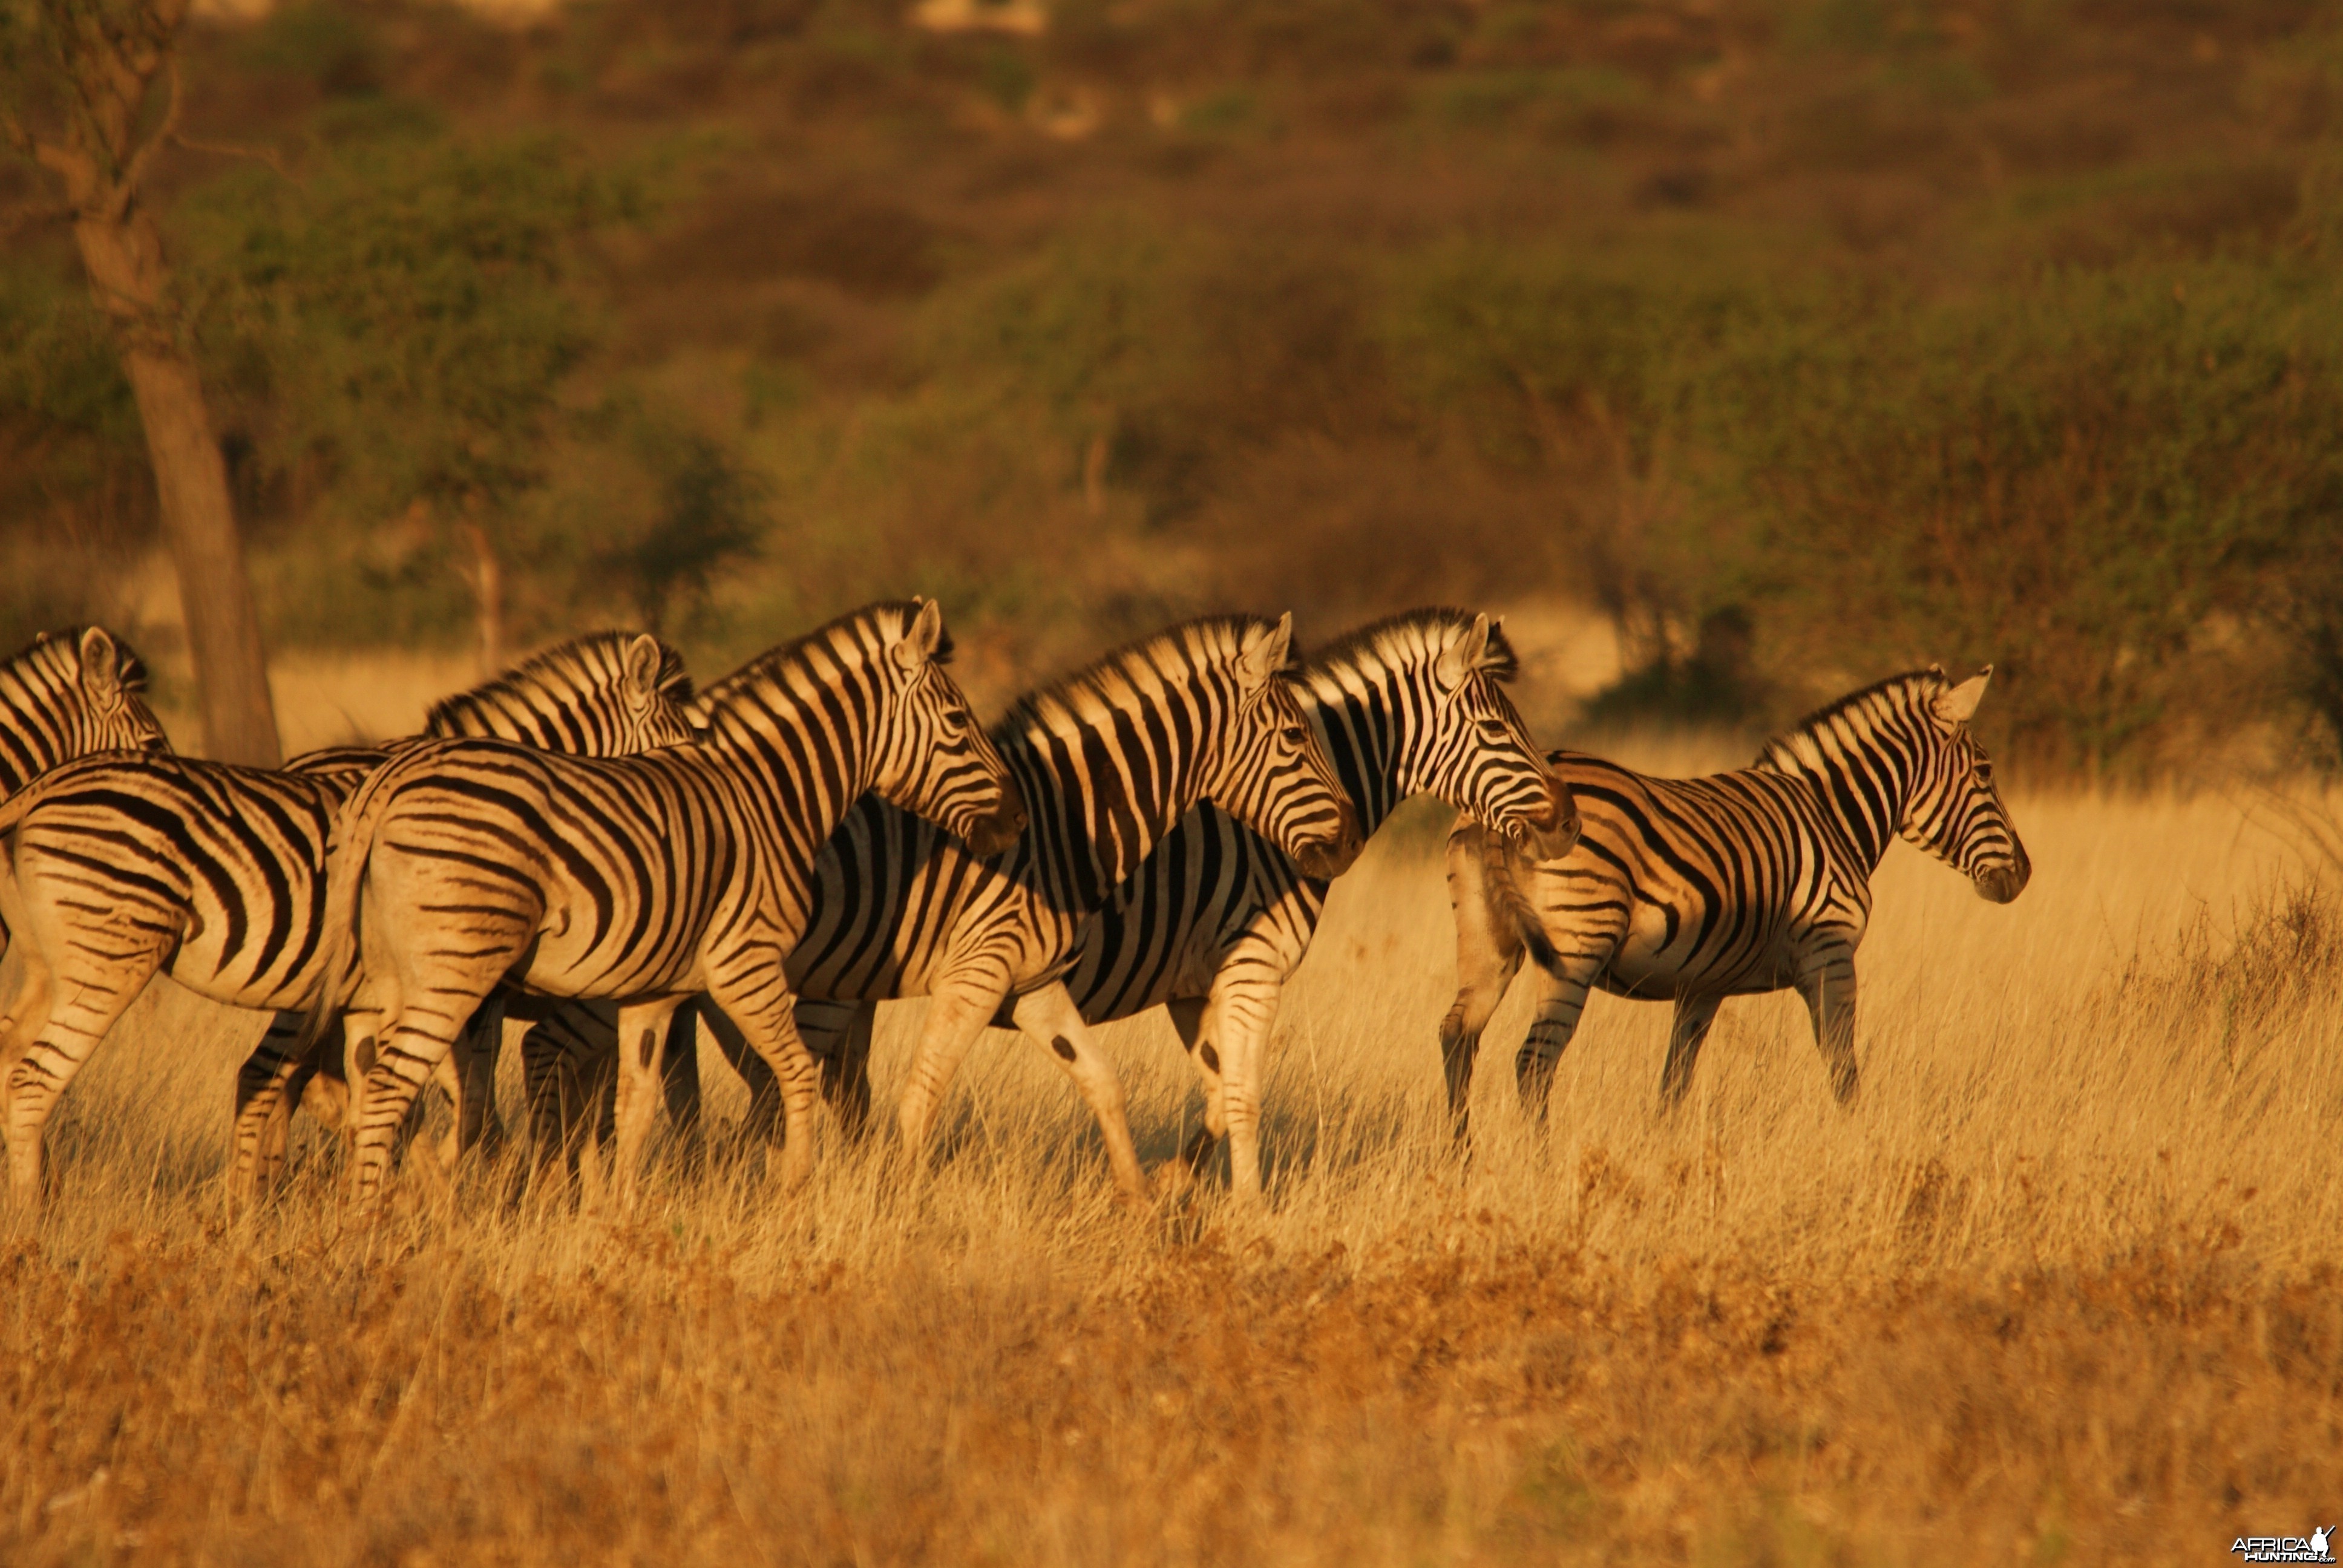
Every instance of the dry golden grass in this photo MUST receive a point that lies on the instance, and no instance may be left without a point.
(2063, 1287)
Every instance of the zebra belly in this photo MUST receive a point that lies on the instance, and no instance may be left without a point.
(1658, 959)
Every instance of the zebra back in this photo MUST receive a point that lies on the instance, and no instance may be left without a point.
(604, 694)
(1898, 757)
(66, 694)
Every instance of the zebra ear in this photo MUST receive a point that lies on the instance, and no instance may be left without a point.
(101, 669)
(1462, 657)
(925, 631)
(643, 671)
(1960, 704)
(1265, 653)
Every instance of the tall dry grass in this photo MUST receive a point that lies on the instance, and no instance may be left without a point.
(2063, 1287)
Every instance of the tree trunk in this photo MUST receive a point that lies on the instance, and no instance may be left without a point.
(488, 599)
(128, 275)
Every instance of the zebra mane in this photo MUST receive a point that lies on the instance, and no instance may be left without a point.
(1396, 639)
(1146, 663)
(58, 653)
(597, 659)
(714, 694)
(1800, 742)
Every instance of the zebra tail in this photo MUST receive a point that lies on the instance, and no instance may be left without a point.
(346, 867)
(1504, 871)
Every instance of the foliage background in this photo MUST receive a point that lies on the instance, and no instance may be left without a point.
(1799, 340)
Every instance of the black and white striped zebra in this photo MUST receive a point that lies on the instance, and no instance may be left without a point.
(66, 694)
(642, 879)
(604, 693)
(123, 867)
(1216, 920)
(1109, 761)
(1731, 884)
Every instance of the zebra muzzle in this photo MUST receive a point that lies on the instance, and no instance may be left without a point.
(1326, 858)
(998, 829)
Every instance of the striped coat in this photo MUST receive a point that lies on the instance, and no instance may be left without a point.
(1109, 761)
(1216, 920)
(125, 866)
(641, 880)
(1697, 890)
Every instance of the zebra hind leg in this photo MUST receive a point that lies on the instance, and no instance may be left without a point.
(1561, 998)
(1488, 955)
(1048, 1017)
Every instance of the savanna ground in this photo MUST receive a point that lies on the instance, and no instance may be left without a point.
(2063, 1287)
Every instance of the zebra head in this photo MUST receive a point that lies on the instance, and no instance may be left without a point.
(933, 759)
(1954, 811)
(1269, 771)
(606, 694)
(70, 693)
(1458, 735)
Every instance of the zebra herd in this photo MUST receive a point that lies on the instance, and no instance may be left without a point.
(586, 844)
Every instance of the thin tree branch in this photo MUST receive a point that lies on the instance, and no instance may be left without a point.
(257, 154)
(13, 130)
(127, 190)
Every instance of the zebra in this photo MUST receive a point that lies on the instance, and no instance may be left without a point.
(66, 694)
(582, 697)
(1732, 885)
(1216, 920)
(125, 867)
(1110, 758)
(640, 879)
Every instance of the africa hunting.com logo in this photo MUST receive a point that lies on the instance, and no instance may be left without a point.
(2312, 1548)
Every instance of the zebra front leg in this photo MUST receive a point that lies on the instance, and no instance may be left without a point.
(477, 1125)
(1687, 1032)
(838, 1033)
(642, 1043)
(1561, 998)
(1829, 988)
(1231, 1050)
(1048, 1017)
(679, 1083)
(1488, 956)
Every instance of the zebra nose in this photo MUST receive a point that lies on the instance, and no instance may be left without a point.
(2002, 883)
(998, 829)
(1326, 858)
(1554, 828)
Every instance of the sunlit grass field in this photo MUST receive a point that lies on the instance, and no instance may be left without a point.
(2063, 1287)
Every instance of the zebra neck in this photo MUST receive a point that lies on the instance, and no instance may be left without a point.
(1100, 801)
(806, 761)
(1863, 784)
(27, 747)
(1370, 745)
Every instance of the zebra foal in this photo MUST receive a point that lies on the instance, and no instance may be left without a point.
(1697, 890)
(120, 867)
(641, 880)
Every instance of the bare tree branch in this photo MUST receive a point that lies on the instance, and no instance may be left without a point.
(141, 162)
(258, 154)
(17, 137)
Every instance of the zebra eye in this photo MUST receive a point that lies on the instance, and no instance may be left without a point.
(1984, 771)
(1292, 735)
